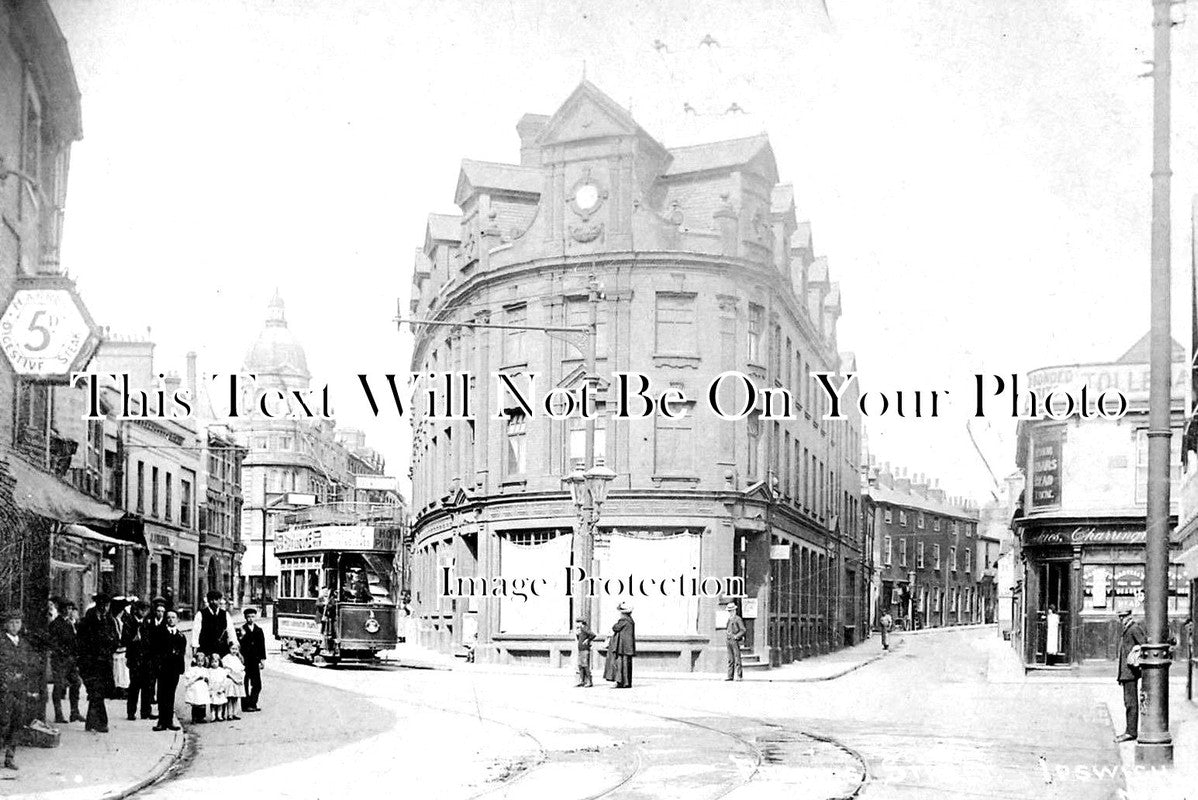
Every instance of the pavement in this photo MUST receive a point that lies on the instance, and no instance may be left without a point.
(814, 669)
(1178, 782)
(94, 766)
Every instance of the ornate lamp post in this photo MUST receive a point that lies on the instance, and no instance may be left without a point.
(588, 490)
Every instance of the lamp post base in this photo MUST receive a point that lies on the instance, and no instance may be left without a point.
(1154, 754)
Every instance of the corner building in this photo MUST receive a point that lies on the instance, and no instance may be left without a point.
(703, 268)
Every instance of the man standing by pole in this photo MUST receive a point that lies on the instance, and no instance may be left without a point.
(1155, 744)
(1131, 641)
(735, 634)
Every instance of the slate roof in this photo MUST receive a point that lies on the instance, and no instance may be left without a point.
(506, 177)
(719, 155)
(445, 227)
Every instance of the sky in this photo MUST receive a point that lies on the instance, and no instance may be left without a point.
(976, 173)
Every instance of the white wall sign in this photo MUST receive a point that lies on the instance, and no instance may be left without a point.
(44, 332)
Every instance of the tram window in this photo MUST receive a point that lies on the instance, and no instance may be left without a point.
(285, 583)
(313, 583)
(298, 585)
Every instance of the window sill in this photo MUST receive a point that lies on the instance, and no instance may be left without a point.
(677, 360)
(659, 479)
(514, 481)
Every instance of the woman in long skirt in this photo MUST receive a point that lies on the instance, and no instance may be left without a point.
(621, 648)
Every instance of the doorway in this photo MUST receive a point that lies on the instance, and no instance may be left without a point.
(1053, 613)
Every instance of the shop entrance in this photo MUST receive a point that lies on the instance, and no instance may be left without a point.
(1053, 644)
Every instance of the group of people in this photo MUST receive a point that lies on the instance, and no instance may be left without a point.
(125, 647)
(621, 648)
(226, 665)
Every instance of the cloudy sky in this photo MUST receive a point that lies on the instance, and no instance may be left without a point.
(977, 173)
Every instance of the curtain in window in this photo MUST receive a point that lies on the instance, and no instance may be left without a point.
(545, 615)
(648, 555)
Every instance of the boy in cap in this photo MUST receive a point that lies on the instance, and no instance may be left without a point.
(584, 636)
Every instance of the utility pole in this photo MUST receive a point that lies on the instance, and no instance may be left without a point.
(586, 542)
(1155, 744)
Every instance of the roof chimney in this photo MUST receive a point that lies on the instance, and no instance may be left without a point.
(530, 127)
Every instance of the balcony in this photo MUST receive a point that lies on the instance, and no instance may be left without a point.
(348, 513)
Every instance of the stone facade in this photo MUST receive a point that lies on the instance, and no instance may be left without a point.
(702, 268)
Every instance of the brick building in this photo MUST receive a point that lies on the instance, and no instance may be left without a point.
(57, 517)
(703, 268)
(933, 569)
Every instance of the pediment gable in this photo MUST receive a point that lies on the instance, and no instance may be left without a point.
(588, 113)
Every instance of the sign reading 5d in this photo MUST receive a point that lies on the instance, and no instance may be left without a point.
(46, 333)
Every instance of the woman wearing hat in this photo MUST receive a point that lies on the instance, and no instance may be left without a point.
(621, 648)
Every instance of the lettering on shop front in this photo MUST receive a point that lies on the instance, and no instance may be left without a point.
(1089, 535)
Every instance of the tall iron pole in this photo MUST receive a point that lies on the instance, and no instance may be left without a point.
(586, 545)
(1155, 744)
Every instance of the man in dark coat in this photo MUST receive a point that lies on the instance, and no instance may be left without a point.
(253, 652)
(136, 640)
(1131, 634)
(97, 642)
(734, 634)
(64, 653)
(18, 689)
(213, 632)
(156, 622)
(621, 648)
(171, 650)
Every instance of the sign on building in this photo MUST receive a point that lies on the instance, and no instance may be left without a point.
(1046, 466)
(46, 333)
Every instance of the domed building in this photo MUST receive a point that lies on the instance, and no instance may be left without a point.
(285, 455)
(276, 356)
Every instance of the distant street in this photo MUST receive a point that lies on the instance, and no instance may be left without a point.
(924, 719)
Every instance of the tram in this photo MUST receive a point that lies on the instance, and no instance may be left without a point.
(335, 596)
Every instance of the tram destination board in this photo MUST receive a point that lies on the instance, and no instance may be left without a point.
(339, 537)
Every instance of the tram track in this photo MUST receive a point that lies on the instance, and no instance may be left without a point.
(632, 764)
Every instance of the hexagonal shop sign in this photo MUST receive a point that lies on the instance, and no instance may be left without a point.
(46, 332)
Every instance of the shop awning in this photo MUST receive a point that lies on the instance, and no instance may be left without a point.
(84, 532)
(45, 495)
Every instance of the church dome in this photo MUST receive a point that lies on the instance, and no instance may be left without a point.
(276, 353)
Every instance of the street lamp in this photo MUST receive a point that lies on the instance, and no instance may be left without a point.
(588, 491)
(284, 502)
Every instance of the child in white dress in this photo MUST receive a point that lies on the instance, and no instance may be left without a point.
(236, 689)
(196, 681)
(218, 682)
